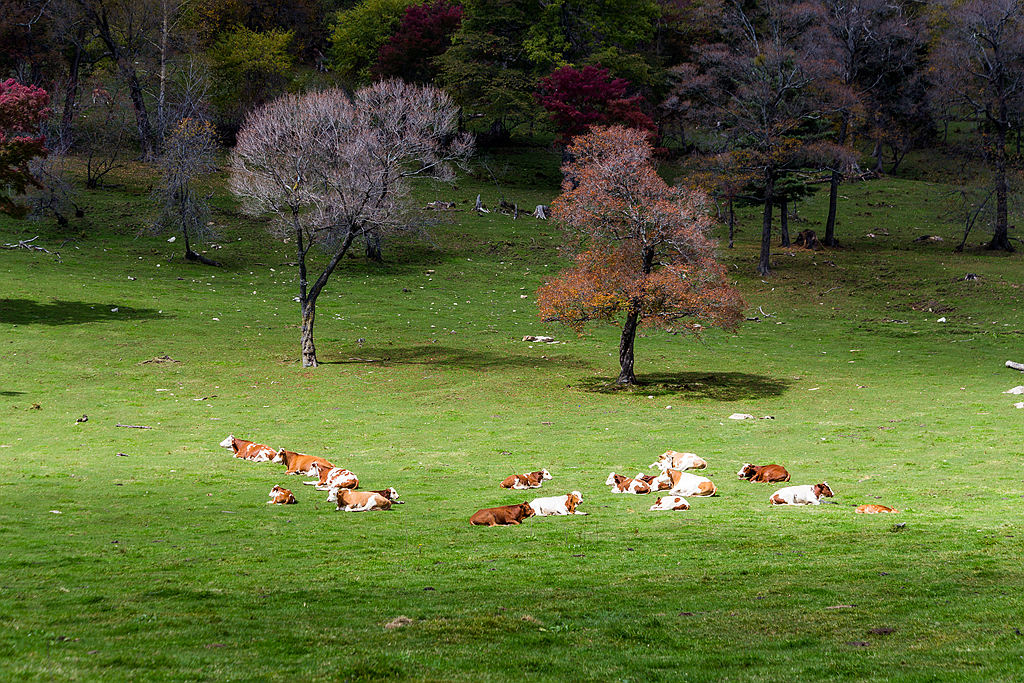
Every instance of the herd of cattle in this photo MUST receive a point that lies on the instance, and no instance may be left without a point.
(674, 480)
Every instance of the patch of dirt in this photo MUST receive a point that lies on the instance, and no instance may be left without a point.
(931, 306)
(160, 360)
(398, 622)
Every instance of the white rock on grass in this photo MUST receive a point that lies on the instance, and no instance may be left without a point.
(742, 416)
(1015, 390)
(1019, 405)
(535, 338)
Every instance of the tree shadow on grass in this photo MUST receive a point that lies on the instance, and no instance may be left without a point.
(57, 312)
(718, 386)
(11, 393)
(436, 354)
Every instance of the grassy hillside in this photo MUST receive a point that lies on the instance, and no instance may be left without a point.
(167, 564)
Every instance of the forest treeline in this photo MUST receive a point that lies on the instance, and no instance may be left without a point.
(764, 100)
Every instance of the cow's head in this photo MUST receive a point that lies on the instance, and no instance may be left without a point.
(575, 498)
(822, 489)
(318, 469)
(228, 442)
(278, 457)
(747, 471)
(391, 494)
(545, 475)
(610, 481)
(527, 510)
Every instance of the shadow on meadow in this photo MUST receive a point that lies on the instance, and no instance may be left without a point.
(57, 312)
(719, 386)
(435, 354)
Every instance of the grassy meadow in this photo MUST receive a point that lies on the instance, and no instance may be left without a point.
(166, 563)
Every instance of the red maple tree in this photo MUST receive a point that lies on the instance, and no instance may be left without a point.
(22, 109)
(641, 248)
(577, 99)
(425, 33)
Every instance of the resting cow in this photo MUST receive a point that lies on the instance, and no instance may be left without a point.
(331, 478)
(391, 494)
(247, 450)
(620, 483)
(671, 503)
(280, 496)
(764, 473)
(297, 463)
(807, 494)
(502, 516)
(685, 484)
(558, 505)
(679, 461)
(873, 509)
(531, 480)
(361, 501)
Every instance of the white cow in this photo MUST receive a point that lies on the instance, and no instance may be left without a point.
(807, 494)
(684, 484)
(679, 461)
(671, 503)
(558, 505)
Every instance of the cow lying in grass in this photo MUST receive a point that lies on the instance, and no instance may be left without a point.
(361, 501)
(670, 503)
(247, 450)
(558, 505)
(331, 478)
(679, 461)
(807, 494)
(281, 496)
(531, 480)
(764, 473)
(873, 509)
(502, 516)
(620, 483)
(297, 463)
(684, 484)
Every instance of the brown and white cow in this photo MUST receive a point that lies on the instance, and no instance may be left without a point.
(391, 494)
(679, 461)
(502, 516)
(530, 480)
(685, 484)
(806, 494)
(670, 503)
(558, 505)
(247, 450)
(331, 478)
(765, 474)
(873, 509)
(297, 463)
(620, 483)
(280, 496)
(361, 501)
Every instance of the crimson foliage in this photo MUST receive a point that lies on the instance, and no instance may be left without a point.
(22, 109)
(425, 33)
(577, 99)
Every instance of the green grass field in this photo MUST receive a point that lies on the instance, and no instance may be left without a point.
(168, 564)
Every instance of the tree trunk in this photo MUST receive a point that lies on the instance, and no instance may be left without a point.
(833, 189)
(161, 100)
(308, 310)
(626, 375)
(732, 224)
(1001, 238)
(877, 153)
(764, 264)
(67, 117)
(146, 139)
(784, 224)
(373, 250)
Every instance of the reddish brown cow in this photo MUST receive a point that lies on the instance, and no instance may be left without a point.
(763, 473)
(531, 480)
(501, 516)
(297, 463)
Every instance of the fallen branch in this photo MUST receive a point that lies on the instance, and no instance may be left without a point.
(1015, 366)
(767, 315)
(132, 426)
(27, 244)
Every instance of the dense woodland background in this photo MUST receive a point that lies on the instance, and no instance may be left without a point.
(757, 102)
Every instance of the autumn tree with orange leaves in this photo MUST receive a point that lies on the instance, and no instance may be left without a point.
(641, 248)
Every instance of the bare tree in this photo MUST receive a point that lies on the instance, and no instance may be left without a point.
(103, 133)
(333, 169)
(189, 151)
(981, 59)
